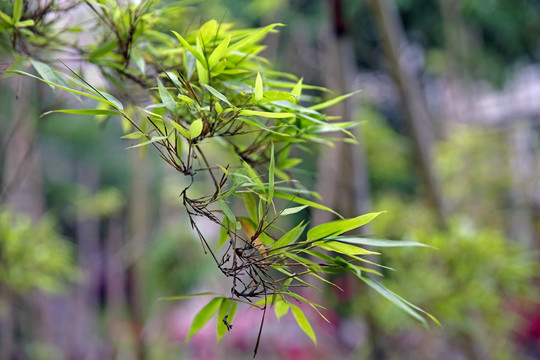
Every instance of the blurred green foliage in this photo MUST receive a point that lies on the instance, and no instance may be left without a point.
(33, 256)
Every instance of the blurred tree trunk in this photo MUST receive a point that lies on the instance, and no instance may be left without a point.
(140, 222)
(417, 115)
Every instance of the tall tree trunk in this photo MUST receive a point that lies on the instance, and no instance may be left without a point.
(417, 115)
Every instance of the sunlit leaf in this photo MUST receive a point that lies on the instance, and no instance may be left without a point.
(333, 101)
(342, 248)
(281, 308)
(338, 227)
(267, 114)
(217, 94)
(166, 97)
(180, 129)
(375, 242)
(228, 213)
(258, 95)
(303, 322)
(17, 10)
(290, 237)
(204, 316)
(218, 52)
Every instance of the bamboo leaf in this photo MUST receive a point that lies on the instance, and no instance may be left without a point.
(303, 322)
(293, 210)
(204, 316)
(273, 115)
(333, 101)
(218, 52)
(166, 97)
(297, 90)
(225, 309)
(17, 10)
(334, 228)
(153, 139)
(251, 206)
(228, 213)
(217, 94)
(290, 237)
(180, 129)
(223, 233)
(281, 308)
(133, 135)
(99, 112)
(342, 248)
(196, 128)
(258, 88)
(302, 201)
(252, 38)
(376, 242)
(270, 96)
(198, 56)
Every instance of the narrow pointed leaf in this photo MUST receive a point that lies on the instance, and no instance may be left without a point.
(219, 51)
(303, 322)
(83, 112)
(333, 101)
(281, 308)
(180, 129)
(334, 228)
(17, 10)
(376, 242)
(342, 248)
(293, 210)
(273, 115)
(217, 94)
(225, 307)
(302, 201)
(258, 88)
(153, 139)
(228, 213)
(204, 316)
(166, 97)
(290, 237)
(190, 48)
(297, 90)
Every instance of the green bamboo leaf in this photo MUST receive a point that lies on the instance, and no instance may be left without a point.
(202, 68)
(251, 206)
(303, 322)
(281, 308)
(180, 129)
(293, 210)
(297, 90)
(225, 307)
(153, 139)
(17, 10)
(290, 237)
(338, 227)
(25, 23)
(258, 95)
(271, 96)
(46, 72)
(116, 104)
(218, 52)
(342, 248)
(99, 112)
(223, 233)
(102, 50)
(196, 128)
(217, 94)
(204, 316)
(186, 99)
(376, 242)
(381, 289)
(253, 176)
(273, 115)
(333, 101)
(302, 201)
(166, 97)
(228, 213)
(5, 17)
(198, 56)
(133, 135)
(261, 126)
(252, 38)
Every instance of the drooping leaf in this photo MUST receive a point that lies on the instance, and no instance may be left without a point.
(333, 101)
(281, 308)
(203, 316)
(303, 322)
(342, 248)
(334, 228)
(153, 139)
(99, 112)
(227, 211)
(251, 206)
(223, 232)
(227, 308)
(375, 242)
(293, 210)
(180, 129)
(198, 56)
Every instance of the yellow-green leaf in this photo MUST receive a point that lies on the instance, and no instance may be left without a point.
(334, 228)
(303, 322)
(258, 88)
(219, 51)
(227, 308)
(180, 129)
(204, 316)
(196, 128)
(267, 114)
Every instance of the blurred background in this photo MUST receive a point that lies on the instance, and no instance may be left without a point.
(92, 235)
